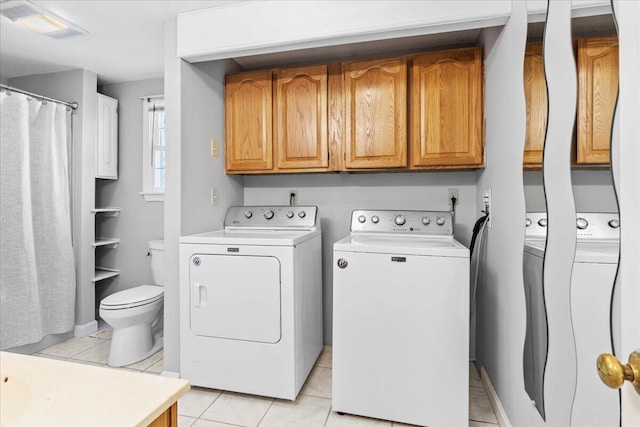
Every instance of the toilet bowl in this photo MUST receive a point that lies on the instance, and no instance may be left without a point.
(136, 314)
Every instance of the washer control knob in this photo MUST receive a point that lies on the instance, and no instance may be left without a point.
(528, 222)
(375, 219)
(289, 214)
(542, 222)
(614, 223)
(400, 220)
(440, 220)
(302, 214)
(362, 219)
(582, 223)
(268, 214)
(342, 263)
(248, 214)
(426, 220)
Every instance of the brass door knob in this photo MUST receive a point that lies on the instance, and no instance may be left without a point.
(613, 373)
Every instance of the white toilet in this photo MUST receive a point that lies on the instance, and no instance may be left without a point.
(136, 315)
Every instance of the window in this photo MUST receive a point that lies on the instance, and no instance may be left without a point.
(153, 148)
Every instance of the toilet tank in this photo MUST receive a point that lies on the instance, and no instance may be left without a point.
(156, 250)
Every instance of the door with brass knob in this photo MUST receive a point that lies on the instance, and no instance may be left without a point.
(614, 374)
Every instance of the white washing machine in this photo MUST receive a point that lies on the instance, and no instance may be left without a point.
(592, 285)
(401, 319)
(251, 301)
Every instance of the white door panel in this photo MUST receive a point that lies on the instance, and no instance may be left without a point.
(235, 297)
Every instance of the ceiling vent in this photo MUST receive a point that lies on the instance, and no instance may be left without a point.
(38, 20)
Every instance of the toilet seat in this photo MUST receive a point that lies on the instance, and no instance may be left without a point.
(134, 297)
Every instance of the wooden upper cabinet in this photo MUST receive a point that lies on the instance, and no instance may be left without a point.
(248, 122)
(598, 88)
(354, 115)
(446, 109)
(535, 93)
(375, 114)
(300, 118)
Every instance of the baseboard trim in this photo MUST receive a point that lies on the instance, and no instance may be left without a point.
(86, 329)
(501, 415)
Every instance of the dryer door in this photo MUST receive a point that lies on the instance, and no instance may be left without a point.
(235, 297)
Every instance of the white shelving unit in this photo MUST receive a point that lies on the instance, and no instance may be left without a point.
(102, 273)
(105, 241)
(112, 211)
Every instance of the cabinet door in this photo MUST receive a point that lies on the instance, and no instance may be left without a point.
(535, 93)
(248, 134)
(107, 138)
(376, 113)
(598, 88)
(300, 118)
(446, 109)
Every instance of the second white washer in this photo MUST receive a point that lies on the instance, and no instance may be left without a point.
(401, 319)
(592, 286)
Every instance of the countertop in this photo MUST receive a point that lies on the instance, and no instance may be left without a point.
(46, 392)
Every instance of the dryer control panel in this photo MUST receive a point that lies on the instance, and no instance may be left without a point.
(422, 223)
(271, 217)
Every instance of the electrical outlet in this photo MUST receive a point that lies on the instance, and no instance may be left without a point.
(293, 197)
(214, 197)
(214, 148)
(452, 193)
(486, 205)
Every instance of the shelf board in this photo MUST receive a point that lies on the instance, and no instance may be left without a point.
(109, 211)
(102, 273)
(105, 241)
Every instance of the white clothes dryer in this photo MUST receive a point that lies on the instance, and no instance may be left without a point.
(401, 319)
(592, 286)
(251, 301)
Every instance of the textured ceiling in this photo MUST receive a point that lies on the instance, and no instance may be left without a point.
(125, 40)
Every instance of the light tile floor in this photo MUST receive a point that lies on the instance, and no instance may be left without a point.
(202, 407)
(94, 350)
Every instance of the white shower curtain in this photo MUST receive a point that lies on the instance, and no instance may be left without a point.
(37, 272)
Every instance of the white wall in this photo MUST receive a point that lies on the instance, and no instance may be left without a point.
(79, 86)
(139, 221)
(172, 206)
(501, 313)
(202, 121)
(336, 195)
(194, 107)
(4, 80)
(592, 191)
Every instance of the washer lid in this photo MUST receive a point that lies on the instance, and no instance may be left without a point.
(133, 297)
(602, 252)
(605, 252)
(445, 246)
(535, 246)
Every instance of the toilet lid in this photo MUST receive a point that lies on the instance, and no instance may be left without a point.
(133, 297)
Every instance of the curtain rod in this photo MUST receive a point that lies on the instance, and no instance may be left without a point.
(72, 105)
(152, 96)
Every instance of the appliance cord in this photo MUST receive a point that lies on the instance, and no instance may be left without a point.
(478, 230)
